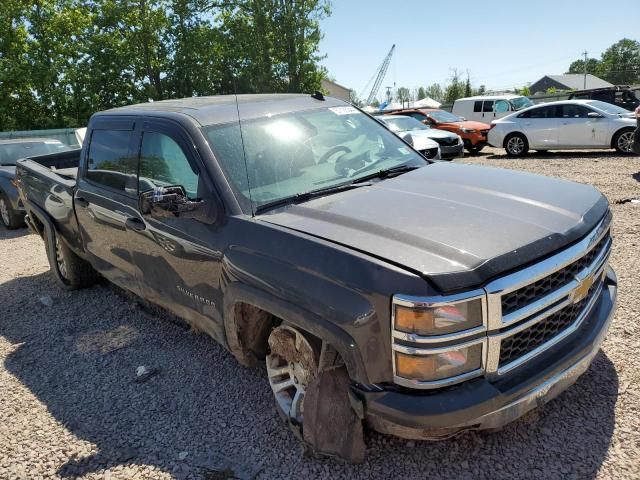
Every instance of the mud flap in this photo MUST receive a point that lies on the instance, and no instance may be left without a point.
(331, 426)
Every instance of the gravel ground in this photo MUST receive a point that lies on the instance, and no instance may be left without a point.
(70, 405)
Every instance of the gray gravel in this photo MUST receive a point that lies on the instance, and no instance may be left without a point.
(72, 404)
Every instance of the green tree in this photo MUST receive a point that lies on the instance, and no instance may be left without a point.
(456, 87)
(435, 92)
(403, 94)
(620, 63)
(421, 93)
(593, 66)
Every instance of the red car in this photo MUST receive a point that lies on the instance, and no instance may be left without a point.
(474, 134)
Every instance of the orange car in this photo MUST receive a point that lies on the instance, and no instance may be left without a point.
(474, 134)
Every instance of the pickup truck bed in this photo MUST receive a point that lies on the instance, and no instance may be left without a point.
(49, 181)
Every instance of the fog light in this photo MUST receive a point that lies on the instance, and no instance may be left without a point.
(439, 365)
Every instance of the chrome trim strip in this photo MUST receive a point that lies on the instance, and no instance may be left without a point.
(426, 302)
(414, 338)
(434, 350)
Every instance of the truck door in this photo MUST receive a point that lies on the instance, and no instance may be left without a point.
(106, 200)
(178, 263)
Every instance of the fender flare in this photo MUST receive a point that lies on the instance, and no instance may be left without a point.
(301, 318)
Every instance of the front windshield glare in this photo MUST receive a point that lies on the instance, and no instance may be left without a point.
(521, 102)
(608, 108)
(296, 153)
(441, 116)
(404, 124)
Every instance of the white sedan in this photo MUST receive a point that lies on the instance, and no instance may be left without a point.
(572, 124)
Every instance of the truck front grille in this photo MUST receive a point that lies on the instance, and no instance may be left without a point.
(526, 295)
(526, 341)
(541, 305)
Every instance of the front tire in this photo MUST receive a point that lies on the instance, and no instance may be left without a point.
(69, 270)
(10, 218)
(516, 145)
(623, 141)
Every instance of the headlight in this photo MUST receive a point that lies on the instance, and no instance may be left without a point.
(438, 341)
(433, 365)
(468, 130)
(439, 320)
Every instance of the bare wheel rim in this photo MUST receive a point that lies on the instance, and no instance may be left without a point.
(62, 265)
(289, 378)
(4, 212)
(515, 145)
(625, 141)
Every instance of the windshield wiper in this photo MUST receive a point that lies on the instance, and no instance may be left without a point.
(388, 172)
(306, 196)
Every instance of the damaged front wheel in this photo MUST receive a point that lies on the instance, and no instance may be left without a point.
(291, 365)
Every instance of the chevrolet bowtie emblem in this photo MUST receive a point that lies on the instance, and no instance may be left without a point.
(582, 289)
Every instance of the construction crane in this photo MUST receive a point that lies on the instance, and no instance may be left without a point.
(379, 77)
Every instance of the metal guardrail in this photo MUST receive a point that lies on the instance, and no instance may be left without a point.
(65, 135)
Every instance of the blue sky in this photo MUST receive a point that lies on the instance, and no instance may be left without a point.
(502, 43)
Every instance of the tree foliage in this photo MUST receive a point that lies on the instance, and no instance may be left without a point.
(619, 64)
(62, 60)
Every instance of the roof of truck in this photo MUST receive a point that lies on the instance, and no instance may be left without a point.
(224, 108)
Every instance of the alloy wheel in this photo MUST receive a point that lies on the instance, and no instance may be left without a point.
(60, 261)
(515, 145)
(290, 370)
(625, 142)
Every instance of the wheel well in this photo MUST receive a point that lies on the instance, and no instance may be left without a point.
(619, 132)
(253, 326)
(509, 135)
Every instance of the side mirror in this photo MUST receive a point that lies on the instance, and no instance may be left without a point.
(172, 202)
(594, 115)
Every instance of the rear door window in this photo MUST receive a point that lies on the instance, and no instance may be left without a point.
(477, 106)
(487, 106)
(574, 111)
(110, 163)
(541, 112)
(418, 116)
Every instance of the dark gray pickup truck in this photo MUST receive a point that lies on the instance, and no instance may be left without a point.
(297, 230)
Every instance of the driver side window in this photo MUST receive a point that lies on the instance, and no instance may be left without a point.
(164, 163)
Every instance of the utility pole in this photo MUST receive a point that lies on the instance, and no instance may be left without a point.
(585, 53)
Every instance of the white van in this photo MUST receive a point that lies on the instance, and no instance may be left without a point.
(488, 108)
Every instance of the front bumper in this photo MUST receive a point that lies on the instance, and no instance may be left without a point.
(480, 404)
(453, 151)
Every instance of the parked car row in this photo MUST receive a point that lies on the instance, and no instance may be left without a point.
(565, 125)
(11, 208)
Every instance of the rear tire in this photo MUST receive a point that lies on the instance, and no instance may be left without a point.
(70, 271)
(10, 218)
(516, 145)
(623, 141)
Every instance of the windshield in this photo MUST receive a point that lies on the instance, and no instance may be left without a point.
(441, 116)
(297, 153)
(11, 152)
(521, 102)
(608, 108)
(403, 124)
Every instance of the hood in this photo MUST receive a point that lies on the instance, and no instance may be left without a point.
(472, 124)
(431, 133)
(457, 225)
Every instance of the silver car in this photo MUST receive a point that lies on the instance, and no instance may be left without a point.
(451, 145)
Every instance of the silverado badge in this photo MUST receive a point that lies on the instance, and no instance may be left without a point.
(582, 289)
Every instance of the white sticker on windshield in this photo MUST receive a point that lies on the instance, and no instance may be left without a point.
(404, 151)
(344, 110)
